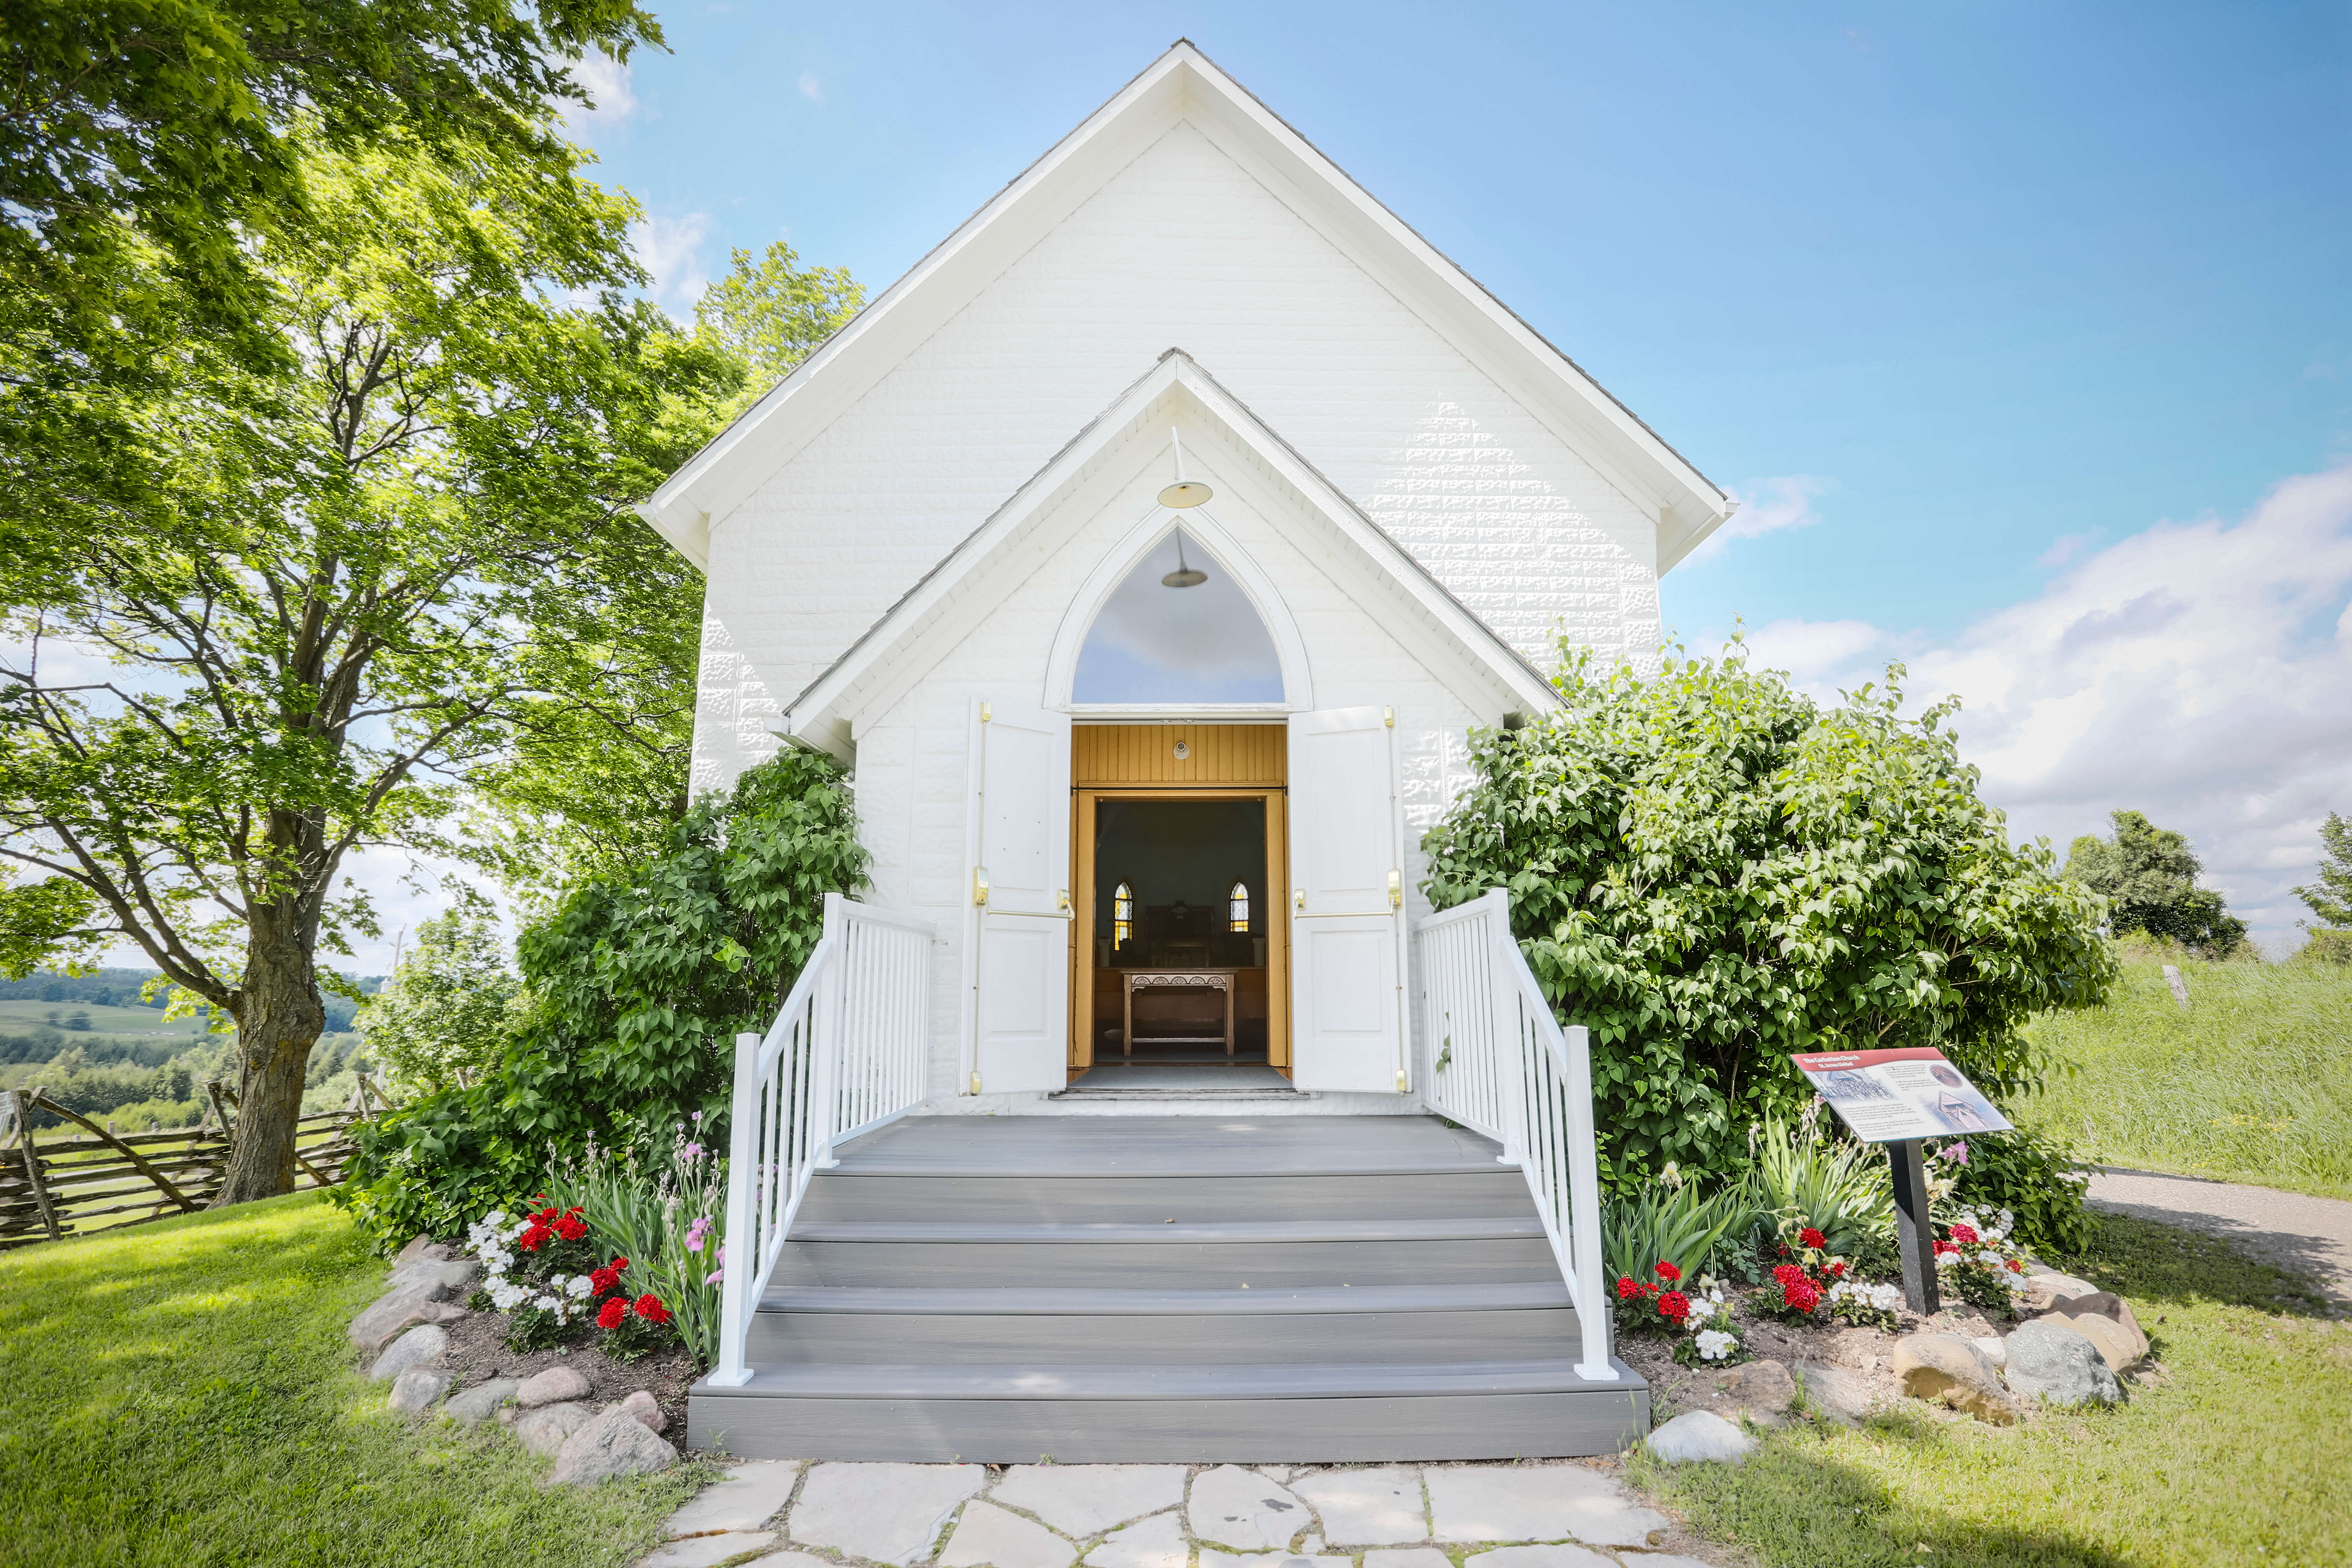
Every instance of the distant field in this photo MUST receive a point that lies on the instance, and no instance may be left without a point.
(2252, 1081)
(21, 1017)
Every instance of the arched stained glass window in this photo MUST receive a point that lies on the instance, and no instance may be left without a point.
(1154, 643)
(1122, 915)
(1238, 908)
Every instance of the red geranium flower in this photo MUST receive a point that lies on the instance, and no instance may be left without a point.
(603, 1280)
(1787, 1273)
(610, 1314)
(1626, 1288)
(1813, 1238)
(2015, 1267)
(1945, 1248)
(1836, 1270)
(1800, 1295)
(1965, 1234)
(1674, 1304)
(570, 1227)
(650, 1308)
(1669, 1273)
(530, 1239)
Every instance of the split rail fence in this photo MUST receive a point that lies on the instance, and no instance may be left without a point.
(55, 1187)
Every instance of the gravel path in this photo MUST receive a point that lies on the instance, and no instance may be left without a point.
(2312, 1236)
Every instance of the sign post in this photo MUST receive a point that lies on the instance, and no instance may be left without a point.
(1902, 1099)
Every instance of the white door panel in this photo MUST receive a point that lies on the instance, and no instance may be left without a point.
(1346, 875)
(1021, 904)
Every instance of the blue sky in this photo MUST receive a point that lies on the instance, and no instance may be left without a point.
(2024, 333)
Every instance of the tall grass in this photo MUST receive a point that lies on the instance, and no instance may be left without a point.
(2252, 1081)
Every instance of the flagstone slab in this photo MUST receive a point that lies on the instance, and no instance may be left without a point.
(1535, 1502)
(1380, 1507)
(703, 1551)
(746, 1498)
(1561, 1556)
(887, 1513)
(1081, 1500)
(1418, 1557)
(1155, 1542)
(990, 1537)
(1241, 1508)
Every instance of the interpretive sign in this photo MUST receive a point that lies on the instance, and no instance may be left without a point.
(1887, 1097)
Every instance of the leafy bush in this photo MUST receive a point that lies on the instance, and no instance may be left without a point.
(638, 985)
(666, 1215)
(1712, 871)
(447, 1014)
(1841, 1189)
(1669, 1224)
(2037, 1182)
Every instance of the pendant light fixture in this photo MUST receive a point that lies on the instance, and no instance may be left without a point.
(1184, 493)
(1184, 576)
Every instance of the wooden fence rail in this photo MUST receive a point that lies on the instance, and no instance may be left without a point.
(59, 1187)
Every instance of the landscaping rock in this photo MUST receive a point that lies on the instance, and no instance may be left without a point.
(546, 1430)
(1835, 1392)
(1762, 1388)
(419, 1389)
(885, 1512)
(1080, 1500)
(1243, 1509)
(1375, 1507)
(423, 1247)
(394, 1313)
(2119, 1347)
(556, 1386)
(1700, 1435)
(2052, 1361)
(989, 1537)
(415, 1348)
(1946, 1368)
(1535, 1502)
(747, 1498)
(646, 1408)
(455, 1275)
(479, 1404)
(613, 1444)
(1156, 1542)
(1992, 1350)
(2043, 1289)
(2106, 1307)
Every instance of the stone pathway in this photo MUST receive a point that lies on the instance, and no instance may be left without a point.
(2311, 1236)
(783, 1514)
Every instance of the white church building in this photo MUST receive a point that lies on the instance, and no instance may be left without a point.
(1148, 554)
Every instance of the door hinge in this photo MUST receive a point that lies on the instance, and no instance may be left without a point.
(985, 714)
(1396, 890)
(1299, 897)
(1401, 1081)
(1062, 899)
(979, 884)
(1388, 717)
(975, 1083)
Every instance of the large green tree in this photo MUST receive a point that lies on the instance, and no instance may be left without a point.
(2149, 875)
(1712, 871)
(341, 584)
(144, 143)
(2330, 896)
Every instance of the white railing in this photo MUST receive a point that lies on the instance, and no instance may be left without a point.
(1499, 1063)
(844, 1055)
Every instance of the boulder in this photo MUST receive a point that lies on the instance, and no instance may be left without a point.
(2051, 1361)
(419, 1389)
(479, 1403)
(2044, 1288)
(1700, 1435)
(556, 1386)
(415, 1348)
(2119, 1347)
(1948, 1368)
(646, 1408)
(456, 1275)
(395, 1312)
(1835, 1392)
(2104, 1304)
(1994, 1351)
(613, 1444)
(545, 1430)
(423, 1247)
(1762, 1388)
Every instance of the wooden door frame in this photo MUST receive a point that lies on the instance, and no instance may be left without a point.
(1276, 798)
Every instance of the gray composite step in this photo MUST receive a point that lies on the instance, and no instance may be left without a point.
(1131, 1380)
(1516, 1295)
(1173, 1145)
(1208, 1264)
(1168, 1232)
(1186, 1199)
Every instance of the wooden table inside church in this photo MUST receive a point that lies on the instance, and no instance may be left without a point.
(1181, 991)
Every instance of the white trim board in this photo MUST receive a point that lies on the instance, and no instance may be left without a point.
(1183, 85)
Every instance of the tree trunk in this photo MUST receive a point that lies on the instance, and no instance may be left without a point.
(279, 1016)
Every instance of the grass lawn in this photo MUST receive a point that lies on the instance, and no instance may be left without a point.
(2253, 1082)
(180, 1394)
(2244, 1455)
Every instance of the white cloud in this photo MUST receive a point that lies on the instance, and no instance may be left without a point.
(1767, 506)
(811, 89)
(611, 101)
(671, 250)
(2201, 672)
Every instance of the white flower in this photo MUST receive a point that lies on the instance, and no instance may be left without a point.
(1699, 1312)
(576, 1286)
(1713, 1345)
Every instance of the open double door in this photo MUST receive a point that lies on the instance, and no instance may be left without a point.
(1344, 916)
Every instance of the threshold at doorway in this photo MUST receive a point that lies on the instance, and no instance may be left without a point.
(1179, 1080)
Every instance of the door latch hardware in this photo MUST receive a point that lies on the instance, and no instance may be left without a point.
(985, 714)
(980, 884)
(1301, 897)
(1396, 890)
(975, 1083)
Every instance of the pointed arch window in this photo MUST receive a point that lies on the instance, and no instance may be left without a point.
(1122, 915)
(1238, 908)
(1178, 629)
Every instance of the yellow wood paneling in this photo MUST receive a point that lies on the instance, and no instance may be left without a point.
(1144, 756)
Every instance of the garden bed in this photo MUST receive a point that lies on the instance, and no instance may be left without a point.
(478, 1352)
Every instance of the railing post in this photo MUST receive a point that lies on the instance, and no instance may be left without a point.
(743, 1175)
(1510, 1035)
(825, 1037)
(1584, 1210)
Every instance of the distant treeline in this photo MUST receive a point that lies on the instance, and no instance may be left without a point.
(121, 987)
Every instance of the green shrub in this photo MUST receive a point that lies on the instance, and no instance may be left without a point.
(1712, 871)
(638, 985)
(1668, 1223)
(1841, 1189)
(2037, 1181)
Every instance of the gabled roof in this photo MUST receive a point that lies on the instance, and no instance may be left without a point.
(1182, 84)
(942, 609)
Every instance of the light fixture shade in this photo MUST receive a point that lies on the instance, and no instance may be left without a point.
(1185, 493)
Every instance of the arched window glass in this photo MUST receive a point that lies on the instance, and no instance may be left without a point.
(1154, 643)
(1122, 915)
(1238, 908)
